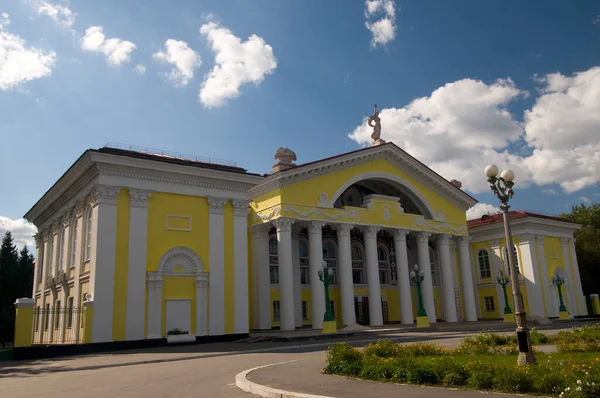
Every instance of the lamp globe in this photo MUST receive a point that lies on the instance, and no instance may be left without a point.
(491, 171)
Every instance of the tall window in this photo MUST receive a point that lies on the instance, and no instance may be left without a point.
(88, 235)
(39, 262)
(489, 304)
(304, 272)
(50, 253)
(304, 310)
(276, 313)
(70, 313)
(515, 257)
(330, 258)
(432, 255)
(383, 257)
(273, 262)
(73, 246)
(61, 248)
(358, 275)
(485, 270)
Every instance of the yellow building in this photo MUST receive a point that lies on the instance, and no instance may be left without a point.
(157, 242)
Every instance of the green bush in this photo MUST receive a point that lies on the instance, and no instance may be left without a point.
(342, 358)
(583, 339)
(382, 349)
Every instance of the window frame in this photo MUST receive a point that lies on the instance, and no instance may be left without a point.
(483, 269)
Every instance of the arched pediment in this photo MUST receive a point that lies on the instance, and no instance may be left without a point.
(180, 260)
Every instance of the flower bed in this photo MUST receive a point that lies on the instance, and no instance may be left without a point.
(486, 362)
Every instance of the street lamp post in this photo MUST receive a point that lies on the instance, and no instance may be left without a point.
(502, 188)
(326, 276)
(417, 276)
(559, 281)
(504, 280)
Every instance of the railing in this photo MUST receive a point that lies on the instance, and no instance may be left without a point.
(171, 154)
(7, 327)
(58, 325)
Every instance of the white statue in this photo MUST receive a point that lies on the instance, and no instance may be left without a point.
(285, 158)
(376, 136)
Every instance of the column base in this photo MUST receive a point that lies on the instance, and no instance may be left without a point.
(329, 327)
(563, 315)
(509, 318)
(423, 322)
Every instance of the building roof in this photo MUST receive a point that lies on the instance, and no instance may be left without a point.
(512, 215)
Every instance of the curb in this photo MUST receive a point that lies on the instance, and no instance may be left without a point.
(242, 382)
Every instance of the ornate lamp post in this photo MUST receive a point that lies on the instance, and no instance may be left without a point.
(326, 276)
(502, 188)
(504, 280)
(559, 281)
(417, 277)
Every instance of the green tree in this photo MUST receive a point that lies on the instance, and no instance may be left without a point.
(9, 263)
(587, 245)
(25, 273)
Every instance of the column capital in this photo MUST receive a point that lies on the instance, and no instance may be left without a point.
(283, 224)
(443, 239)
(423, 237)
(201, 281)
(400, 234)
(572, 241)
(315, 227)
(494, 243)
(463, 241)
(370, 231)
(78, 207)
(525, 238)
(139, 197)
(215, 205)
(155, 281)
(104, 194)
(564, 241)
(344, 229)
(240, 207)
(259, 231)
(54, 226)
(65, 219)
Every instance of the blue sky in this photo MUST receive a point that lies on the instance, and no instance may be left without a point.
(309, 78)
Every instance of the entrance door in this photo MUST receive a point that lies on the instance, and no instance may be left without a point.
(361, 309)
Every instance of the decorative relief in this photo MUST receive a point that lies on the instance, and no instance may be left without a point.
(436, 227)
(54, 227)
(104, 194)
(400, 234)
(323, 200)
(283, 223)
(440, 215)
(139, 197)
(400, 209)
(266, 216)
(179, 223)
(66, 220)
(215, 205)
(386, 213)
(316, 227)
(79, 207)
(240, 207)
(418, 221)
(333, 215)
(344, 229)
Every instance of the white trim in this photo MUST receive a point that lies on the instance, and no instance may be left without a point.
(240, 273)
(170, 216)
(217, 274)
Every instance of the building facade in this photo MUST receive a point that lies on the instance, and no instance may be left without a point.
(161, 242)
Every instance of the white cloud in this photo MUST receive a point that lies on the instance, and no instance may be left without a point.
(236, 63)
(20, 63)
(140, 69)
(383, 29)
(183, 59)
(585, 200)
(459, 129)
(59, 13)
(21, 230)
(117, 51)
(481, 209)
(549, 191)
(563, 127)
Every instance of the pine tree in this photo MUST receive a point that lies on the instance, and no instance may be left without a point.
(25, 274)
(9, 267)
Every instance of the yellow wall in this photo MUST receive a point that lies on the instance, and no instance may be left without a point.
(177, 287)
(498, 303)
(121, 265)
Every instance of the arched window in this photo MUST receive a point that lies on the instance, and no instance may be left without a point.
(383, 258)
(515, 257)
(304, 271)
(73, 244)
(87, 238)
(273, 261)
(329, 256)
(483, 259)
(358, 273)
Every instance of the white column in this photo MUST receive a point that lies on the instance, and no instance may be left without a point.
(406, 312)
(155, 302)
(43, 270)
(240, 266)
(136, 264)
(216, 261)
(38, 264)
(568, 287)
(297, 285)
(77, 224)
(201, 305)
(345, 274)
(577, 286)
(496, 262)
(102, 256)
(467, 281)
(544, 278)
(317, 291)
(425, 265)
(286, 277)
(261, 286)
(443, 243)
(375, 313)
(532, 276)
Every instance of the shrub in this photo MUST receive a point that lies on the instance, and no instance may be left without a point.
(515, 379)
(342, 358)
(537, 337)
(382, 349)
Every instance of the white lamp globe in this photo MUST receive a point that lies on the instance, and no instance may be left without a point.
(491, 171)
(508, 175)
(421, 273)
(412, 274)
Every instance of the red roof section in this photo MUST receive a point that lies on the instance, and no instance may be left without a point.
(512, 215)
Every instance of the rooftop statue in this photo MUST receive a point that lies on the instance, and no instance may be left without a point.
(375, 122)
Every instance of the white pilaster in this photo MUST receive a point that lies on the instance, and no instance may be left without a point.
(406, 312)
(568, 287)
(136, 264)
(375, 313)
(467, 281)
(77, 225)
(286, 277)
(496, 262)
(201, 305)
(544, 279)
(315, 248)
(261, 287)
(43, 270)
(240, 266)
(532, 276)
(155, 284)
(39, 243)
(216, 291)
(577, 286)
(443, 243)
(425, 265)
(345, 274)
(297, 284)
(102, 259)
